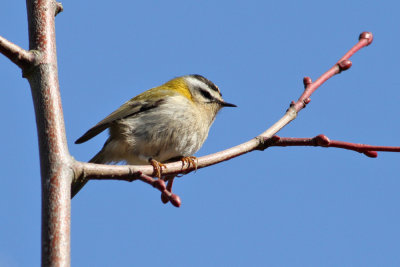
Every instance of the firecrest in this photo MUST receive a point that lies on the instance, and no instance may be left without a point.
(163, 124)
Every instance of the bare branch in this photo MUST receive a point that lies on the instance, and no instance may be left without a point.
(130, 173)
(166, 191)
(21, 57)
(91, 171)
(323, 141)
(344, 63)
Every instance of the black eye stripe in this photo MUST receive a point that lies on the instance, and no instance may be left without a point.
(206, 94)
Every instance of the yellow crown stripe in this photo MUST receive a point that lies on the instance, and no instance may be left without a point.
(170, 88)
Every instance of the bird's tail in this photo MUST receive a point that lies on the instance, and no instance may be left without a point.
(76, 186)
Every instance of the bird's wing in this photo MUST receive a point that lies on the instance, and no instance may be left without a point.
(130, 108)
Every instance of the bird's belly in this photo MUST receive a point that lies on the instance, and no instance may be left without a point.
(177, 136)
(166, 143)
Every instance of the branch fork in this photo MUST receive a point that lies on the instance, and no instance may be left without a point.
(19, 56)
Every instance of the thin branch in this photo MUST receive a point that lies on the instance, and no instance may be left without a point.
(323, 141)
(21, 57)
(129, 173)
(344, 63)
(166, 194)
(89, 171)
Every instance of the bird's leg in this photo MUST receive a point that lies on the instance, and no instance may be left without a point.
(157, 167)
(190, 161)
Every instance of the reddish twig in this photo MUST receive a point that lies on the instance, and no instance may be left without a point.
(344, 63)
(165, 197)
(165, 190)
(323, 141)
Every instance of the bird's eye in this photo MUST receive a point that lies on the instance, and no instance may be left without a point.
(206, 94)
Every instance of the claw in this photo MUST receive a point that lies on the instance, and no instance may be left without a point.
(157, 167)
(192, 160)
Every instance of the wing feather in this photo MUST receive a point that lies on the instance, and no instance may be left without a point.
(128, 109)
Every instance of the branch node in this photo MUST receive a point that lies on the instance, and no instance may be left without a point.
(368, 36)
(274, 139)
(307, 81)
(265, 142)
(164, 198)
(344, 65)
(59, 8)
(175, 200)
(371, 154)
(133, 175)
(35, 57)
(322, 140)
(292, 112)
(19, 56)
(167, 196)
(159, 184)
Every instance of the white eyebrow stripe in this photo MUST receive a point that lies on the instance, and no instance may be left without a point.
(196, 82)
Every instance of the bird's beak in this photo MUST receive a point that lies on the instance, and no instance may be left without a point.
(225, 104)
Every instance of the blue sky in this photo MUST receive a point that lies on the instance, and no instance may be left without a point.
(280, 207)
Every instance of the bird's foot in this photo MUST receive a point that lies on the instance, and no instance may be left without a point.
(157, 167)
(190, 161)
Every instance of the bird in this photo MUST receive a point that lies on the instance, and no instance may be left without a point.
(161, 125)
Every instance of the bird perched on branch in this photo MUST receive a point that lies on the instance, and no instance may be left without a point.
(163, 124)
